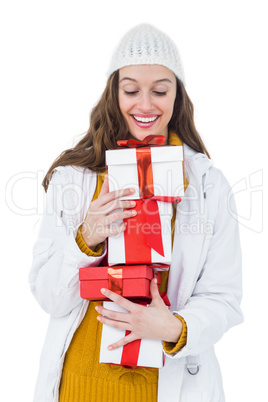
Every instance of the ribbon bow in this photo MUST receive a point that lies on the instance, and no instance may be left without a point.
(149, 140)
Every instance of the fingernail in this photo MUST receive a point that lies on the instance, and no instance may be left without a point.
(133, 203)
(155, 280)
(132, 190)
(109, 348)
(103, 290)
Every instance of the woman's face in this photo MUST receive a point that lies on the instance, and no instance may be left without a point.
(146, 99)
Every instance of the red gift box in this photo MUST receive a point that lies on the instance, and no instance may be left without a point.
(132, 281)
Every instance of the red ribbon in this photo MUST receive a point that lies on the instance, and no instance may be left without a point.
(149, 140)
(166, 198)
(145, 172)
(144, 232)
(115, 280)
(165, 299)
(131, 350)
(154, 237)
(130, 353)
(144, 161)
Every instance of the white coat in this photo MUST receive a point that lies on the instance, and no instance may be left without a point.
(204, 282)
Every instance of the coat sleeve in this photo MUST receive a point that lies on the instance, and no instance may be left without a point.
(214, 305)
(54, 274)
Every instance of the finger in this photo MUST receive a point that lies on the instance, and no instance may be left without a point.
(105, 186)
(115, 230)
(119, 215)
(107, 231)
(113, 315)
(113, 195)
(111, 207)
(94, 208)
(126, 204)
(155, 292)
(120, 204)
(124, 326)
(122, 342)
(128, 305)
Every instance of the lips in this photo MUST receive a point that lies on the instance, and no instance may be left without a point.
(145, 120)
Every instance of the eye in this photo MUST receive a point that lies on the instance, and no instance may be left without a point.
(160, 93)
(131, 92)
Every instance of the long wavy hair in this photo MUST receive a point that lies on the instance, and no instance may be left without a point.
(107, 126)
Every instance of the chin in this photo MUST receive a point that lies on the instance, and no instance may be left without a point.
(141, 135)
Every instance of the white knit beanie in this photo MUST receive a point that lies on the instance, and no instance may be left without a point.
(144, 44)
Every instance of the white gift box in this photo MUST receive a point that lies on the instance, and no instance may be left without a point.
(167, 169)
(118, 254)
(149, 353)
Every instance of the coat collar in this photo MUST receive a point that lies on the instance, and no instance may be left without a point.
(198, 163)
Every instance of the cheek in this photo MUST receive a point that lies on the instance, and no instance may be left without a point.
(171, 105)
(169, 110)
(121, 103)
(124, 104)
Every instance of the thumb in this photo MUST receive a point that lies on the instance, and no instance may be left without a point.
(154, 291)
(105, 186)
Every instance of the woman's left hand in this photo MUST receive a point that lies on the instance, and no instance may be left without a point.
(152, 322)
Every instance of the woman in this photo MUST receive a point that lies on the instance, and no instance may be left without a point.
(145, 95)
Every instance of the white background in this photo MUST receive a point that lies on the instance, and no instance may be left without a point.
(55, 55)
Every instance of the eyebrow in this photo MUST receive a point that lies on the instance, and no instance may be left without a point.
(155, 82)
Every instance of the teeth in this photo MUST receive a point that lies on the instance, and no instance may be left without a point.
(145, 119)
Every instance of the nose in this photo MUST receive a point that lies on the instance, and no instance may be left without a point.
(145, 102)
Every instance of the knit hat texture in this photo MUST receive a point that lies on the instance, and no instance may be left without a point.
(144, 44)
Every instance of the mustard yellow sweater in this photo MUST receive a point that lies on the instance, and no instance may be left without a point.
(84, 379)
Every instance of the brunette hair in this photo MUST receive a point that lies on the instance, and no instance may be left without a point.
(107, 126)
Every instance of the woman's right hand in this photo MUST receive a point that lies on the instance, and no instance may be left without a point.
(96, 227)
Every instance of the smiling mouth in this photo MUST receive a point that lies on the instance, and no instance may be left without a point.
(140, 119)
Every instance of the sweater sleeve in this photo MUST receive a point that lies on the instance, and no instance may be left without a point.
(85, 249)
(172, 347)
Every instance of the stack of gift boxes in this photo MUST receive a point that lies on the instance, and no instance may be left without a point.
(156, 174)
